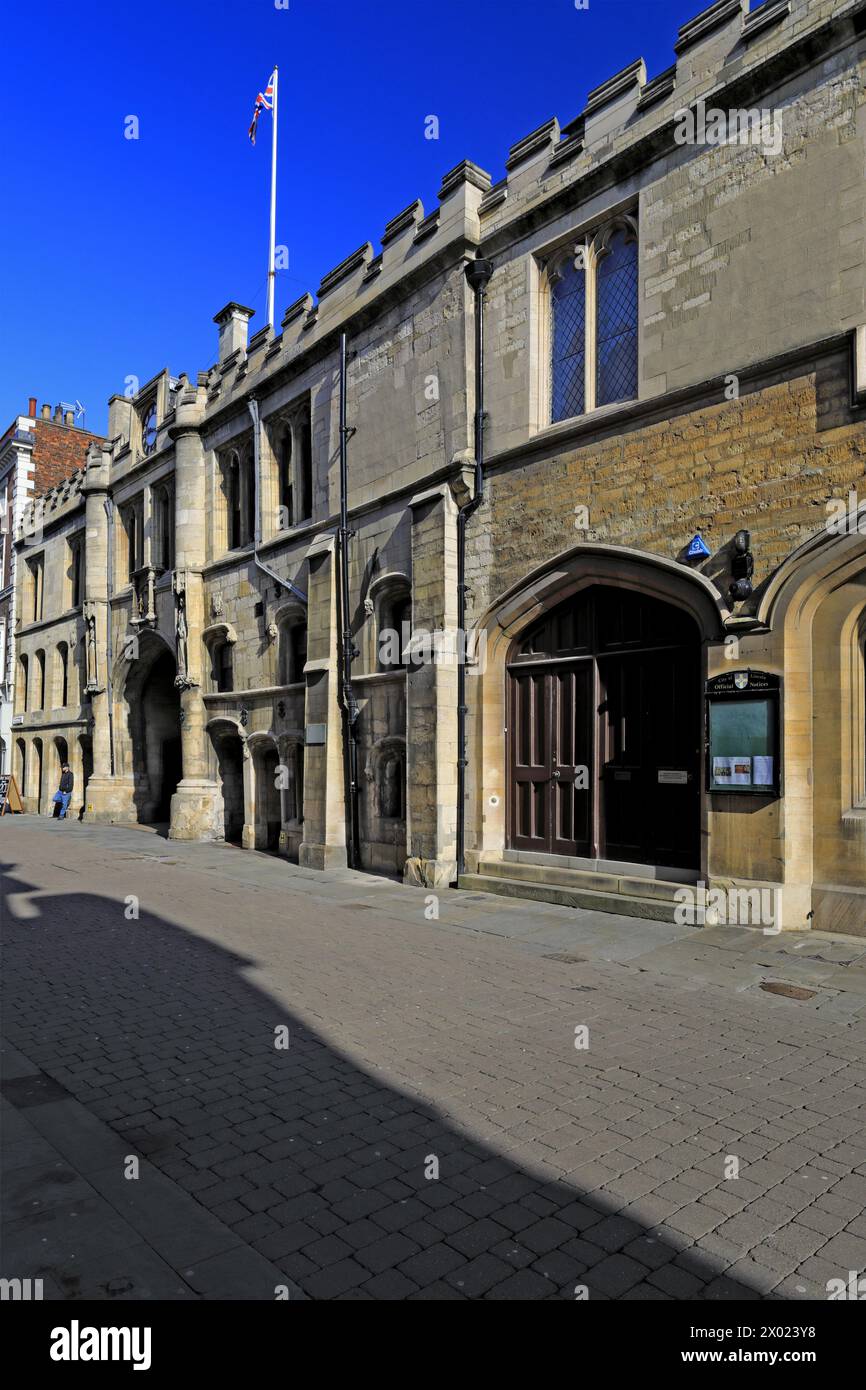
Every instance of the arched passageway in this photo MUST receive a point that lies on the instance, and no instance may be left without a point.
(230, 763)
(266, 763)
(154, 725)
(38, 773)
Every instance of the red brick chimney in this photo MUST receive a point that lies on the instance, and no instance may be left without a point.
(31, 407)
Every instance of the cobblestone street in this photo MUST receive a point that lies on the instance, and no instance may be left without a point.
(415, 1044)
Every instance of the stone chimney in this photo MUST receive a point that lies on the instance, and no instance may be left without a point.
(233, 322)
(69, 417)
(58, 415)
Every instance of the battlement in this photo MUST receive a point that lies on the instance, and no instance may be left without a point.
(725, 43)
(65, 496)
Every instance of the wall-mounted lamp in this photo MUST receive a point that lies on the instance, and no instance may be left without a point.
(742, 567)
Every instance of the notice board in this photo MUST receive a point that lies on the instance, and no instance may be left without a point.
(743, 724)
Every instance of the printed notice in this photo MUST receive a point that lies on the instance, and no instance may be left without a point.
(762, 771)
(732, 772)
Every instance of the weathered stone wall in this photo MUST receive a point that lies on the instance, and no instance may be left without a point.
(769, 461)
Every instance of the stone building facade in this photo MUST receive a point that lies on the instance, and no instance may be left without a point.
(673, 490)
(37, 452)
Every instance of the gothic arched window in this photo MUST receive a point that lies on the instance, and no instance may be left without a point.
(594, 317)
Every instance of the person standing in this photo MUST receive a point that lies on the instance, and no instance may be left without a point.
(64, 791)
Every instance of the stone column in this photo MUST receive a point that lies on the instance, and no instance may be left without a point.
(109, 797)
(324, 842)
(431, 692)
(196, 807)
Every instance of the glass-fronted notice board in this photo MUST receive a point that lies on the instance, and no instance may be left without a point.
(743, 733)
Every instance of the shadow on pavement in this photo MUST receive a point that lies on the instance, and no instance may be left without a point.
(309, 1157)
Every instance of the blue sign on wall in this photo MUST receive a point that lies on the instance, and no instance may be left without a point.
(698, 548)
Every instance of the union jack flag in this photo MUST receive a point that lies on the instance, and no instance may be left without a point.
(264, 102)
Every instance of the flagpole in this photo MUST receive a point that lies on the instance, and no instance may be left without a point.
(273, 237)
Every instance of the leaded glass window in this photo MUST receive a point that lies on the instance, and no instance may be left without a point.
(616, 336)
(593, 331)
(568, 338)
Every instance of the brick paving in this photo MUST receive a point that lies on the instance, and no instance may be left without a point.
(415, 1046)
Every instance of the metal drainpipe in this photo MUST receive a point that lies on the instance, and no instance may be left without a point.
(253, 404)
(109, 684)
(478, 273)
(348, 703)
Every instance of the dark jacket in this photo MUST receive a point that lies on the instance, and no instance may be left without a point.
(67, 782)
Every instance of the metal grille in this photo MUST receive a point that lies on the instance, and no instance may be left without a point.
(616, 370)
(568, 345)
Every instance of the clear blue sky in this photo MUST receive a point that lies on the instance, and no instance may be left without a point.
(117, 253)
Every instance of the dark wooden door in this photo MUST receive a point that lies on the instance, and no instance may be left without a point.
(571, 777)
(529, 723)
(551, 759)
(605, 731)
(650, 757)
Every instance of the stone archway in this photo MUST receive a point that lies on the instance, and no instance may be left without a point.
(230, 751)
(151, 751)
(38, 775)
(267, 801)
(59, 756)
(815, 609)
(525, 606)
(604, 719)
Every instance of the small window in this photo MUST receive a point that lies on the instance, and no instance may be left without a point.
(22, 691)
(40, 679)
(130, 518)
(287, 491)
(62, 689)
(76, 571)
(223, 667)
(164, 527)
(293, 653)
(305, 465)
(35, 577)
(239, 494)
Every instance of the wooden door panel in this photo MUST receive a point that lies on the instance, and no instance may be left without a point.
(530, 760)
(650, 713)
(572, 779)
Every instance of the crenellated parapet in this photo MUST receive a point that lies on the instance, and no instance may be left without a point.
(726, 44)
(66, 497)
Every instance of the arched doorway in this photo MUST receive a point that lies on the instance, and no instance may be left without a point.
(154, 725)
(21, 765)
(266, 762)
(85, 745)
(229, 750)
(37, 776)
(60, 751)
(604, 721)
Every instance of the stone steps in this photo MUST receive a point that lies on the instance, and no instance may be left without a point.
(652, 899)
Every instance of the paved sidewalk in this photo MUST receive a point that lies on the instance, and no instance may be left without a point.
(414, 1044)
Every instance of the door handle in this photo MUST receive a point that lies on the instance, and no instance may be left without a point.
(556, 773)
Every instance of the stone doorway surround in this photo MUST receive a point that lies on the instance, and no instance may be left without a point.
(517, 610)
(814, 608)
